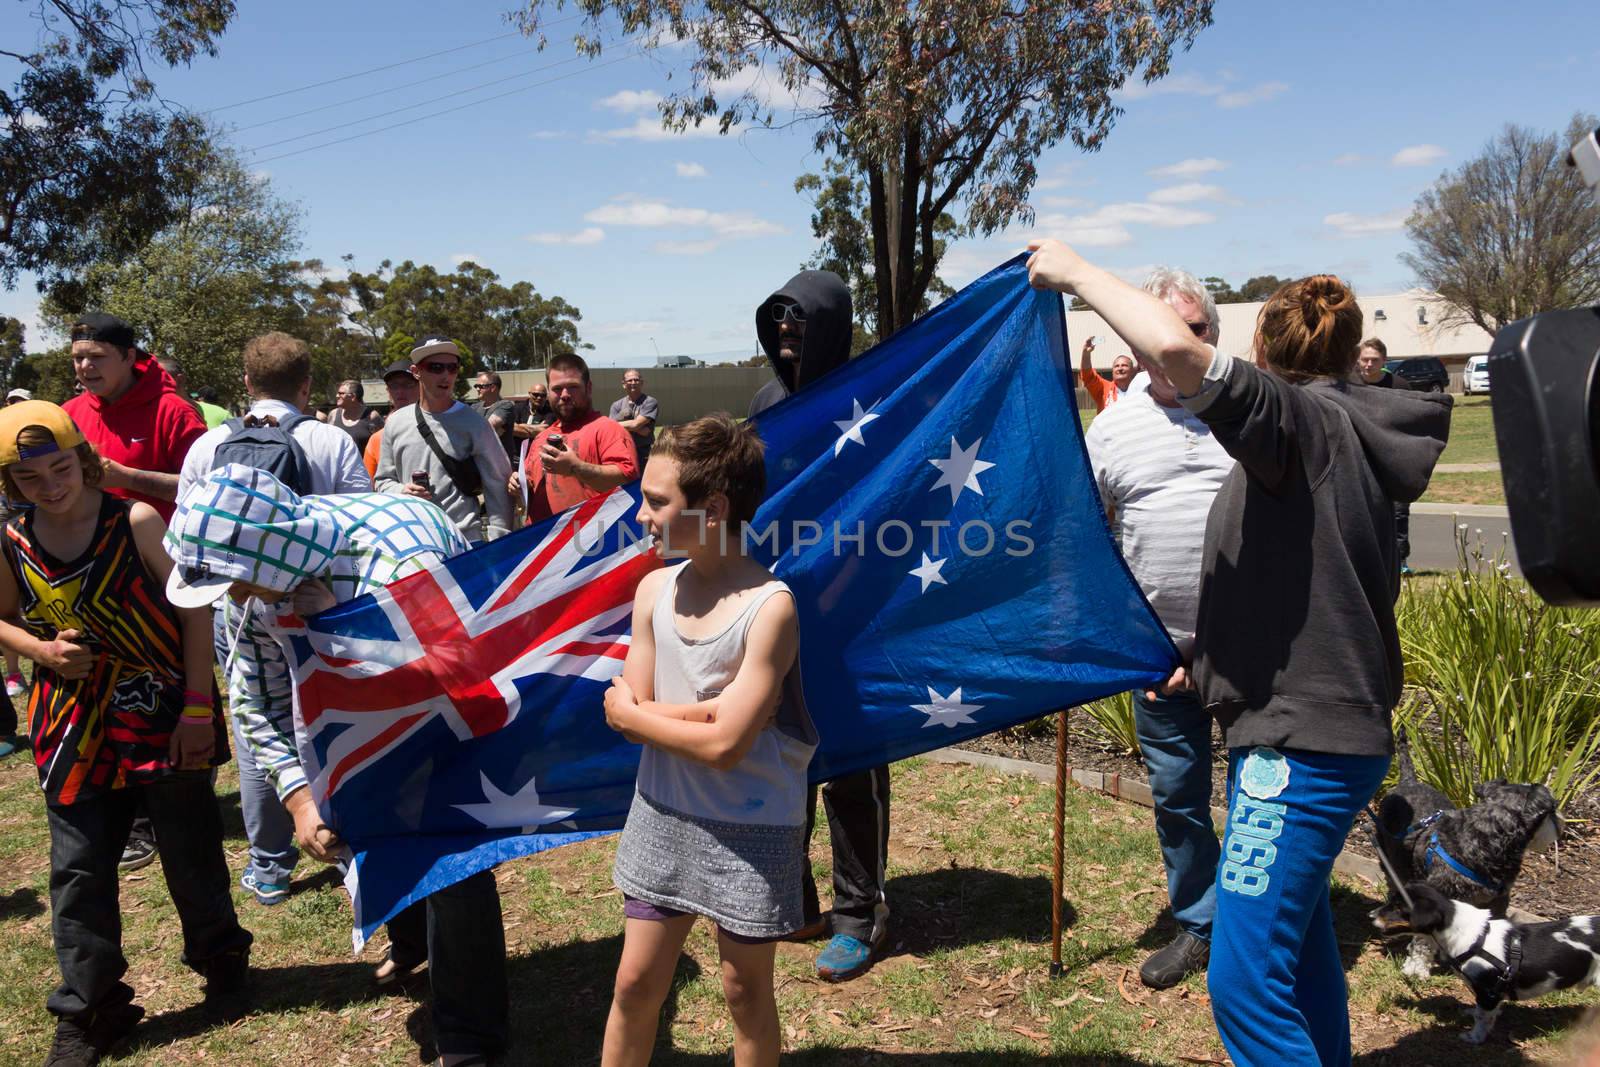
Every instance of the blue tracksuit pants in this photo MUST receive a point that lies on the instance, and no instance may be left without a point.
(1276, 981)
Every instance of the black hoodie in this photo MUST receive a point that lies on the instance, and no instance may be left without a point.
(1296, 644)
(825, 300)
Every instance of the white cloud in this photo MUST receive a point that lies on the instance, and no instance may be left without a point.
(459, 258)
(628, 101)
(1171, 85)
(1196, 85)
(1418, 155)
(1258, 95)
(1349, 159)
(765, 84)
(685, 248)
(1061, 203)
(1107, 226)
(1187, 193)
(656, 214)
(31, 120)
(589, 235)
(1189, 168)
(1350, 224)
(650, 129)
(690, 170)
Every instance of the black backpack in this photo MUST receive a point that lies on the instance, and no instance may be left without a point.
(268, 445)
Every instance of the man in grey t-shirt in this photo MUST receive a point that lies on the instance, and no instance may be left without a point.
(637, 413)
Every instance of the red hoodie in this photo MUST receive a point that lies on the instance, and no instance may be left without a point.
(148, 428)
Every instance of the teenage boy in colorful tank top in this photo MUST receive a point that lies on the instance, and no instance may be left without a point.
(122, 710)
(711, 687)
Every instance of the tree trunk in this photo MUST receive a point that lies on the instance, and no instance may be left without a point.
(882, 272)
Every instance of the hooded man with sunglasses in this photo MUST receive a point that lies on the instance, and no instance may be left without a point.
(805, 329)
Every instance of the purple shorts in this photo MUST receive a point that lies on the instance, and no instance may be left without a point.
(634, 908)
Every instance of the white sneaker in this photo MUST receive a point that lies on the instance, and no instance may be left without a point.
(14, 684)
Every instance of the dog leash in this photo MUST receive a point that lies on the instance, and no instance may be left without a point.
(1383, 858)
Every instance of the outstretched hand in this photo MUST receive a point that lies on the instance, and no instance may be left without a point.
(1054, 265)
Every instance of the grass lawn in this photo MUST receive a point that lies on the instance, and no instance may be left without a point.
(1471, 434)
(965, 981)
(1473, 487)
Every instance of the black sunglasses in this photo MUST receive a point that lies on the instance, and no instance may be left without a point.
(1199, 329)
(435, 367)
(788, 311)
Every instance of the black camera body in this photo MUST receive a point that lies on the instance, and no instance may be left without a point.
(1544, 375)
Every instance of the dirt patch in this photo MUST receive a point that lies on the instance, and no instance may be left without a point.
(1564, 881)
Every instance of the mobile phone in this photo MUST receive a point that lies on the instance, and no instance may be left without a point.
(420, 478)
(557, 442)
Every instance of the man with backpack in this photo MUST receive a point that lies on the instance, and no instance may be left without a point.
(441, 450)
(310, 457)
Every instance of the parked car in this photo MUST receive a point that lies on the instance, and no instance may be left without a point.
(1475, 379)
(1425, 373)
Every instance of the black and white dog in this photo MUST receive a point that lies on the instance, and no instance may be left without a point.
(1469, 854)
(1500, 959)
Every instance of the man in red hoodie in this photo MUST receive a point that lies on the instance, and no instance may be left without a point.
(131, 412)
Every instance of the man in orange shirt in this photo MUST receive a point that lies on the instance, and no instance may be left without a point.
(581, 454)
(1101, 391)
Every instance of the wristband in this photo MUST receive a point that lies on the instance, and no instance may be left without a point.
(195, 698)
(197, 712)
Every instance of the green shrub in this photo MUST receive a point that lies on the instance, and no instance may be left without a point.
(1111, 721)
(1503, 685)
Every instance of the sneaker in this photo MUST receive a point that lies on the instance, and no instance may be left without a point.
(15, 684)
(267, 893)
(137, 855)
(72, 1047)
(844, 958)
(113, 1024)
(9, 745)
(1167, 967)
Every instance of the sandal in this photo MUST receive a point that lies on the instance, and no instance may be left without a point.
(391, 972)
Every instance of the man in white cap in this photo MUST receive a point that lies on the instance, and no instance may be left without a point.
(16, 396)
(442, 450)
(243, 533)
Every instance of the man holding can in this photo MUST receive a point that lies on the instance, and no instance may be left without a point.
(581, 454)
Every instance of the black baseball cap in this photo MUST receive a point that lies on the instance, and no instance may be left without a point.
(403, 367)
(98, 326)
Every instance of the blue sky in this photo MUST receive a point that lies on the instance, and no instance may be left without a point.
(1283, 143)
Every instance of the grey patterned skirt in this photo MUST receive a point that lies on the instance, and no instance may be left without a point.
(744, 877)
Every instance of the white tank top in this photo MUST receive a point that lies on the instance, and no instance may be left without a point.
(769, 785)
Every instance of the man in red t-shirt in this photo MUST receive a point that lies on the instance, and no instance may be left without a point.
(581, 454)
(131, 412)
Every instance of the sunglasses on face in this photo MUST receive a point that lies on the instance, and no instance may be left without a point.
(435, 367)
(793, 312)
(1199, 329)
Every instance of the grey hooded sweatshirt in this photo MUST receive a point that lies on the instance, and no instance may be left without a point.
(1296, 644)
(825, 299)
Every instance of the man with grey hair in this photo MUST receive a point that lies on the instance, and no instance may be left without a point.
(1158, 468)
(351, 414)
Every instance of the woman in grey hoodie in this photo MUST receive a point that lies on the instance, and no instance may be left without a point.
(1296, 651)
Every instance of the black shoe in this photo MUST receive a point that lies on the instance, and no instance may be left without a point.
(137, 855)
(1167, 967)
(227, 979)
(112, 1024)
(72, 1047)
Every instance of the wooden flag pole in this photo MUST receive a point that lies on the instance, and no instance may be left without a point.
(1057, 889)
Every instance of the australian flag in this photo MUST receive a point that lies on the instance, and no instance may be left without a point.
(932, 508)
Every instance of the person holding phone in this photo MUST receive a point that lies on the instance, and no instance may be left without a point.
(1102, 392)
(581, 454)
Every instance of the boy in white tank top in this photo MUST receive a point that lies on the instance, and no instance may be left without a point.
(711, 688)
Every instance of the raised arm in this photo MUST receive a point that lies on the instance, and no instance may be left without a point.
(1150, 326)
(744, 708)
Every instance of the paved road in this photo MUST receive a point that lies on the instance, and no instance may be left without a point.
(1433, 530)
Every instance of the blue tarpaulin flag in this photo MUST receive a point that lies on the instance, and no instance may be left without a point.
(931, 506)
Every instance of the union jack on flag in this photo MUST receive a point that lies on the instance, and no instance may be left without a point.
(931, 506)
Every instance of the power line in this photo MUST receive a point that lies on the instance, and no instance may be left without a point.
(413, 107)
(375, 70)
(450, 110)
(380, 92)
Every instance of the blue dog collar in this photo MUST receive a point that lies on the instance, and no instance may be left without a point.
(1436, 849)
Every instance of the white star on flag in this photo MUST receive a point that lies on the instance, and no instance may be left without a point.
(946, 711)
(929, 571)
(501, 809)
(851, 427)
(961, 469)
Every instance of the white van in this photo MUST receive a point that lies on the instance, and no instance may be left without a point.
(1475, 378)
